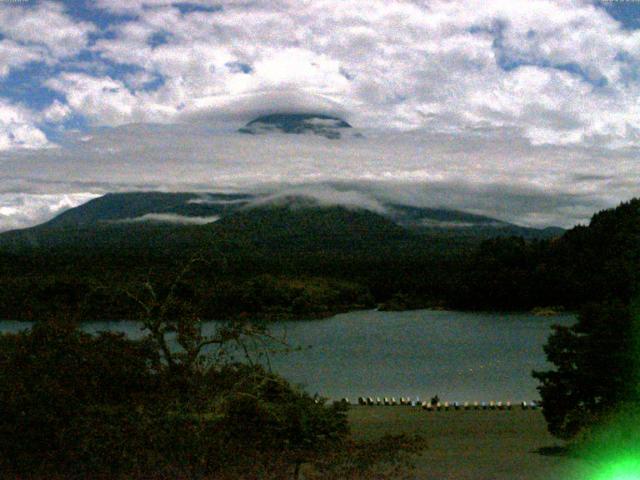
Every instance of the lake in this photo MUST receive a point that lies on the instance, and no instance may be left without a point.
(457, 355)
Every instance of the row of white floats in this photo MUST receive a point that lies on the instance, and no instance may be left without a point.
(425, 405)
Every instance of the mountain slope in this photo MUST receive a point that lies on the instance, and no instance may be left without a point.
(283, 227)
(297, 123)
(156, 218)
(134, 205)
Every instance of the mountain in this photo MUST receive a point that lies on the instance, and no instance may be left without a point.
(158, 219)
(307, 228)
(293, 256)
(298, 123)
(454, 222)
(134, 206)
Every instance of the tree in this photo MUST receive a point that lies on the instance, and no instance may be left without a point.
(75, 404)
(173, 322)
(596, 367)
(53, 376)
(253, 404)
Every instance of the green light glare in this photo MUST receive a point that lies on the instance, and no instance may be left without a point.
(620, 469)
(613, 447)
(610, 445)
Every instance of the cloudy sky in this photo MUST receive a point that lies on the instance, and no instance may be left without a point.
(527, 110)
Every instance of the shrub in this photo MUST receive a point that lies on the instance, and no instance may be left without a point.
(51, 376)
(84, 406)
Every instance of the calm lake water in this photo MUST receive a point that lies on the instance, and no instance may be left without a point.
(458, 356)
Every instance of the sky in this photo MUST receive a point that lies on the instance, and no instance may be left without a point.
(526, 110)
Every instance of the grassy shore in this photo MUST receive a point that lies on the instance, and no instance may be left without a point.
(475, 445)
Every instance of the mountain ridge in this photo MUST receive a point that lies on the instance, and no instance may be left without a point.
(327, 126)
(128, 206)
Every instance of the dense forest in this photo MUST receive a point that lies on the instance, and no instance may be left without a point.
(309, 262)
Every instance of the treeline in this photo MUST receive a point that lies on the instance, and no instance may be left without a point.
(593, 263)
(275, 276)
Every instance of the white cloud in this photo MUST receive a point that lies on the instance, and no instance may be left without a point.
(205, 199)
(20, 210)
(393, 64)
(322, 195)
(14, 55)
(241, 109)
(56, 112)
(135, 6)
(45, 24)
(34, 32)
(170, 218)
(495, 172)
(17, 128)
(105, 101)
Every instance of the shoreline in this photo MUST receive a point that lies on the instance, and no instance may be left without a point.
(542, 312)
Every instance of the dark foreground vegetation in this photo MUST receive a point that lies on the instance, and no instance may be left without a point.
(592, 395)
(175, 404)
(279, 263)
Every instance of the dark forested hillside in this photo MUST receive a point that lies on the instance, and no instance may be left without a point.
(587, 264)
(306, 260)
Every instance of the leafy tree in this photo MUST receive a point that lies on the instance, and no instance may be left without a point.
(596, 368)
(84, 405)
(52, 376)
